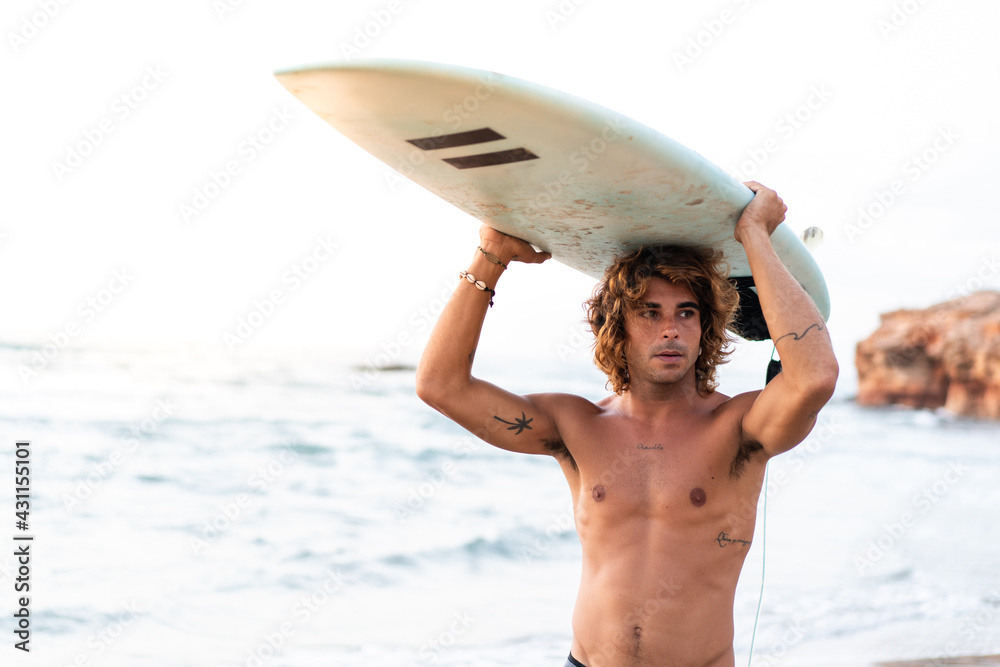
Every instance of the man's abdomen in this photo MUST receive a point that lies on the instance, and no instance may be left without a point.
(656, 596)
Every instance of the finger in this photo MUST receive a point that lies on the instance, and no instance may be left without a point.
(533, 257)
(537, 258)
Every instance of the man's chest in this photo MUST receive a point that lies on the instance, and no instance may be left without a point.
(625, 469)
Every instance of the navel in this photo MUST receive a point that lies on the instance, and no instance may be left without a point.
(598, 493)
(697, 497)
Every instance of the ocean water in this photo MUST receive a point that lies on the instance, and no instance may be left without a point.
(287, 510)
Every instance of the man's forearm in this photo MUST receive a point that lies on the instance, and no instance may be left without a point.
(446, 363)
(795, 325)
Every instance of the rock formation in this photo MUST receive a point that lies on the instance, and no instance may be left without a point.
(945, 356)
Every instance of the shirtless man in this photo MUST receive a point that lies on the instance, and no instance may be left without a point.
(666, 472)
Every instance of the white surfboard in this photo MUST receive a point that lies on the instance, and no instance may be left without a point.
(571, 177)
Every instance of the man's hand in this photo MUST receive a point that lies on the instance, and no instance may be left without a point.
(764, 212)
(509, 248)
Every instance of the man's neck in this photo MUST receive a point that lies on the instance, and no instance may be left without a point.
(654, 402)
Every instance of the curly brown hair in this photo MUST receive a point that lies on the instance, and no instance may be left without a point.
(624, 286)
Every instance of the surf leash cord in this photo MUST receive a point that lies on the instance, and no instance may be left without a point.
(763, 565)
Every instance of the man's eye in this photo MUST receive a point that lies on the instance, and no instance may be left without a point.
(648, 314)
(687, 313)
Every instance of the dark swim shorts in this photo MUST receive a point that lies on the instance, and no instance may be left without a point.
(573, 662)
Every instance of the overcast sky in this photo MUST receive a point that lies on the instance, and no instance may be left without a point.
(117, 114)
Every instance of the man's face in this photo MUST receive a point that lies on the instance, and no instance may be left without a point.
(663, 334)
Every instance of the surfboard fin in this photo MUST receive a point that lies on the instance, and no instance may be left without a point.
(812, 238)
(749, 321)
(773, 367)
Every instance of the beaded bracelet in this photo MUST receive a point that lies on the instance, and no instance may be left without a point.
(480, 285)
(490, 256)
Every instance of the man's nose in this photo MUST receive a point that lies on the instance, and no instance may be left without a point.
(669, 328)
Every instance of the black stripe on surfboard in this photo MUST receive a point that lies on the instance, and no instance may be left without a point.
(490, 159)
(456, 139)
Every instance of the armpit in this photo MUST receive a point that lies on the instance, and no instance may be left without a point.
(748, 448)
(558, 449)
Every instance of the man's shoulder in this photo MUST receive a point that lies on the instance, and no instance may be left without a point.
(559, 403)
(733, 405)
(570, 413)
(727, 412)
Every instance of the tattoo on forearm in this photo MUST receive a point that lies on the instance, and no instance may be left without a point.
(519, 424)
(819, 327)
(724, 540)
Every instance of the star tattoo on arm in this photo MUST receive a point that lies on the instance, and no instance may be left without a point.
(519, 424)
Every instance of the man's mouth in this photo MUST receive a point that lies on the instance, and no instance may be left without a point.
(669, 355)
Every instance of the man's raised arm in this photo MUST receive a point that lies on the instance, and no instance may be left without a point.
(785, 411)
(444, 376)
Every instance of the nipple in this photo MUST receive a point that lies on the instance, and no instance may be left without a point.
(598, 493)
(697, 497)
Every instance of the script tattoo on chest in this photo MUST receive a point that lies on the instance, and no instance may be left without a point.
(656, 446)
(724, 540)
